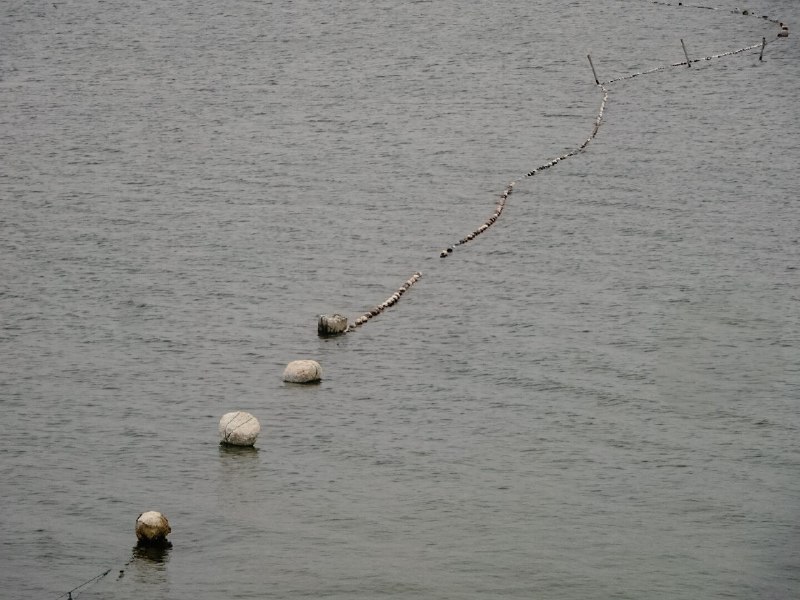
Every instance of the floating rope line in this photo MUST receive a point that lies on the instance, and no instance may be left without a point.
(746, 13)
(507, 192)
(599, 119)
(501, 203)
(74, 591)
(69, 595)
(390, 301)
(683, 63)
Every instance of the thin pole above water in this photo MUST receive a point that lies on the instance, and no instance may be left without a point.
(596, 80)
(688, 62)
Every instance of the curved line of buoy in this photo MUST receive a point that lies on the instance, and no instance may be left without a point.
(784, 32)
(736, 11)
(507, 192)
(501, 203)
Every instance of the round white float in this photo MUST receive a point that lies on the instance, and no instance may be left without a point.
(152, 527)
(302, 371)
(239, 428)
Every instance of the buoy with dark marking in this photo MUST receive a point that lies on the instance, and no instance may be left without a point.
(238, 428)
(152, 529)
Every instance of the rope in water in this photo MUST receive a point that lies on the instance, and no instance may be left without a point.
(74, 591)
(681, 64)
(507, 192)
(501, 203)
(744, 12)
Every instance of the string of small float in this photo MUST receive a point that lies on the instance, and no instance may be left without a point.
(598, 121)
(394, 298)
(501, 202)
(682, 63)
(507, 192)
(745, 12)
(389, 302)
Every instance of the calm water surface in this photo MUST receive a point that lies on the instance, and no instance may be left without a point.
(597, 398)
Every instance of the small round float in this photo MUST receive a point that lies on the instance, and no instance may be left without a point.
(302, 371)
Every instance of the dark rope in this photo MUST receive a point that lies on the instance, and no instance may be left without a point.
(96, 578)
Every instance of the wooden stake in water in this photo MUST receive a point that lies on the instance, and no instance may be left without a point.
(688, 62)
(763, 44)
(596, 80)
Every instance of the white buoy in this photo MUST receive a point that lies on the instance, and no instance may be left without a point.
(302, 371)
(152, 528)
(238, 428)
(331, 325)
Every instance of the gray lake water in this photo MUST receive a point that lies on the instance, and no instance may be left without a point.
(598, 397)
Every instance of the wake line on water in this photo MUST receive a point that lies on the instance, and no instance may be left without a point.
(501, 203)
